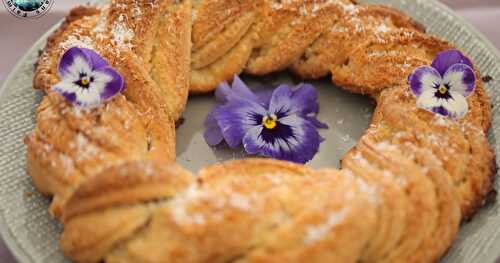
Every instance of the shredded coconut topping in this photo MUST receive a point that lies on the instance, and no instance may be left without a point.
(122, 35)
(101, 27)
(77, 41)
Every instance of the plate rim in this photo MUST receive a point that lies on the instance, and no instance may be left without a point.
(12, 244)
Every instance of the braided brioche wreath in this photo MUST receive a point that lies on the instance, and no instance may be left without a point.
(400, 196)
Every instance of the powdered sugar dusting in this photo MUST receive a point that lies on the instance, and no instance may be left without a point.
(196, 195)
(382, 28)
(179, 206)
(385, 145)
(441, 121)
(67, 163)
(358, 157)
(148, 169)
(84, 149)
(316, 233)
(369, 190)
(239, 201)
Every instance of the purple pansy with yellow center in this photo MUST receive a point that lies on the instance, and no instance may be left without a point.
(281, 124)
(443, 87)
(87, 80)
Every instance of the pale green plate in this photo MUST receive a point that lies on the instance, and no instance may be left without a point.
(33, 236)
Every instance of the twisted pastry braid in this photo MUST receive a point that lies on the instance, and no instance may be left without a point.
(401, 193)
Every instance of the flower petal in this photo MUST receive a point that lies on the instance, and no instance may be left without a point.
(236, 117)
(239, 90)
(461, 79)
(67, 90)
(302, 100)
(79, 65)
(65, 86)
(264, 97)
(444, 60)
(281, 101)
(71, 57)
(212, 134)
(96, 61)
(316, 122)
(91, 96)
(252, 141)
(424, 78)
(80, 56)
(306, 96)
(114, 82)
(88, 98)
(239, 114)
(457, 106)
(222, 92)
(428, 101)
(298, 144)
(441, 111)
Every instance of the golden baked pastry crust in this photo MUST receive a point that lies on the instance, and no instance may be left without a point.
(122, 198)
(354, 27)
(115, 204)
(259, 207)
(69, 145)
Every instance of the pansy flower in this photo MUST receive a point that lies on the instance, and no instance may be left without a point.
(87, 80)
(281, 124)
(443, 87)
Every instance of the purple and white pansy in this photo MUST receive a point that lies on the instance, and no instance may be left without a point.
(281, 124)
(87, 80)
(443, 87)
